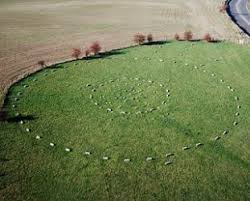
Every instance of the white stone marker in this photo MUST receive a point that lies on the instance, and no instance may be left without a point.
(87, 153)
(38, 137)
(237, 114)
(169, 154)
(149, 158)
(235, 123)
(126, 160)
(109, 110)
(216, 138)
(67, 149)
(225, 132)
(21, 122)
(185, 148)
(105, 158)
(168, 163)
(198, 144)
(51, 144)
(27, 130)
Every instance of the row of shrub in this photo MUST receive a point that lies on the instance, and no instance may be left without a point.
(139, 38)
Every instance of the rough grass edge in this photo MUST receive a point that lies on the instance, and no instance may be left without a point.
(5, 89)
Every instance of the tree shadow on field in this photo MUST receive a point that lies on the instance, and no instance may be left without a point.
(103, 55)
(157, 43)
(20, 118)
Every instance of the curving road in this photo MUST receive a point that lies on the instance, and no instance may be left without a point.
(238, 10)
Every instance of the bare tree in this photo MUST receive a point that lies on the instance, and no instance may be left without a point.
(176, 36)
(76, 52)
(188, 35)
(95, 48)
(150, 38)
(139, 38)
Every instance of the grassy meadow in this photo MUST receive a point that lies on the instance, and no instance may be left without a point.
(100, 128)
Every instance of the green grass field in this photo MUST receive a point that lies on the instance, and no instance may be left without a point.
(139, 104)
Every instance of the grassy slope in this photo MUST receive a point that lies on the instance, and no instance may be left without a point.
(200, 108)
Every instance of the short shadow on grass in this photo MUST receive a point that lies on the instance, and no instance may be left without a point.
(216, 41)
(20, 118)
(57, 66)
(103, 55)
(4, 160)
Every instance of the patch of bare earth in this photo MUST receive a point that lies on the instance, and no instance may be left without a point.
(49, 29)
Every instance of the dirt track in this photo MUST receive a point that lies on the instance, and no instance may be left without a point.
(49, 29)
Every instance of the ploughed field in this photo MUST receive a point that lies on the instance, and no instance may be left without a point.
(167, 121)
(49, 29)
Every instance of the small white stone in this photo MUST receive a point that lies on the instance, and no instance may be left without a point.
(168, 163)
(150, 81)
(204, 71)
(17, 114)
(16, 99)
(109, 110)
(25, 86)
(27, 130)
(235, 123)
(221, 80)
(238, 106)
(195, 67)
(229, 87)
(213, 74)
(96, 103)
(198, 144)
(93, 90)
(38, 137)
(169, 154)
(88, 85)
(151, 109)
(67, 149)
(237, 114)
(232, 90)
(161, 60)
(161, 85)
(87, 153)
(122, 112)
(21, 122)
(105, 158)
(149, 158)
(216, 138)
(236, 98)
(126, 160)
(167, 90)
(19, 93)
(225, 132)
(186, 64)
(51, 144)
(185, 148)
(13, 106)
(90, 96)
